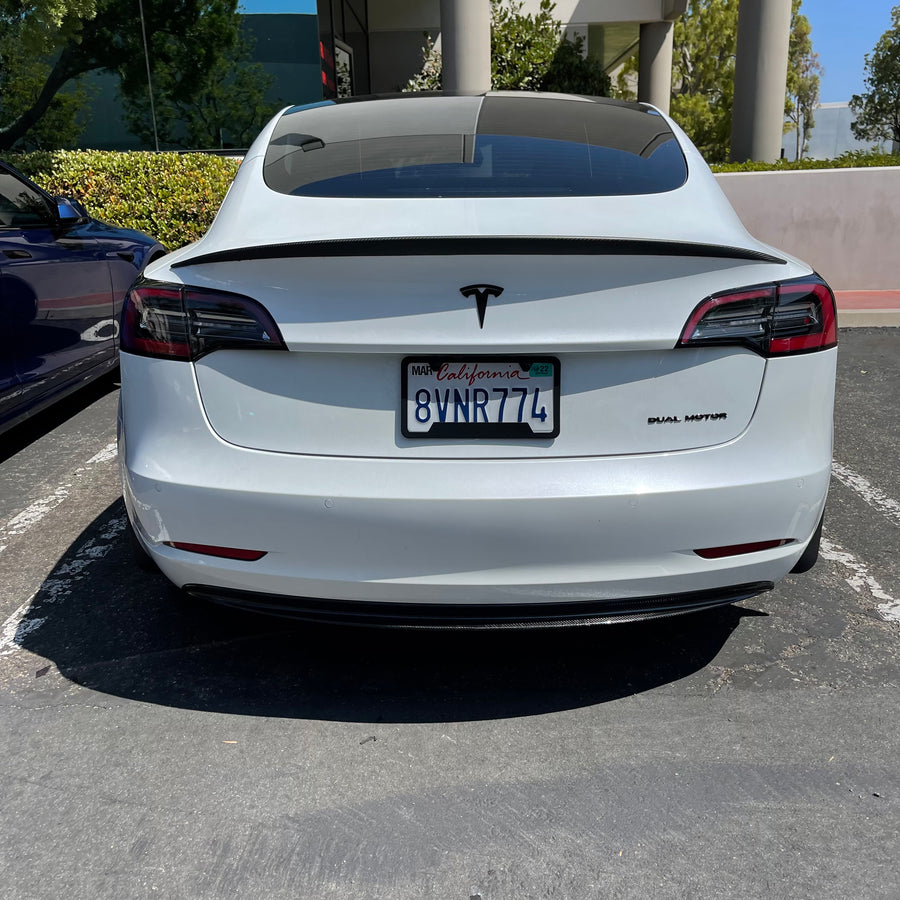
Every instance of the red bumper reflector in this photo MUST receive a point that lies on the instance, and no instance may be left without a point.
(737, 549)
(224, 552)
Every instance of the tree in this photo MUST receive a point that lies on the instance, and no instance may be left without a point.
(703, 53)
(35, 23)
(28, 32)
(803, 74)
(528, 52)
(22, 78)
(219, 103)
(80, 36)
(704, 49)
(878, 108)
(703, 74)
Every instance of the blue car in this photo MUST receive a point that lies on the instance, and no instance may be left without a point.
(63, 278)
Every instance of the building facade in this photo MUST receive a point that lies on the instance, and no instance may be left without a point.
(359, 47)
(375, 46)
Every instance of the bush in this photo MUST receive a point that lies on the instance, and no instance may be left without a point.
(170, 196)
(174, 197)
(852, 159)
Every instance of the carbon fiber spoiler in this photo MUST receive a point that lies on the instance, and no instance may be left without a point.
(478, 246)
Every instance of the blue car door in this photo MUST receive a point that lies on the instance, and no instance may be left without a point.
(55, 296)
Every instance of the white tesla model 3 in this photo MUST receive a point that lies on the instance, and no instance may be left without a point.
(473, 361)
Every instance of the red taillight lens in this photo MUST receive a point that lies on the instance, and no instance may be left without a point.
(174, 322)
(154, 323)
(794, 316)
(805, 318)
(223, 552)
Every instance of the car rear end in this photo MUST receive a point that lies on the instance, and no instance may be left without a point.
(476, 404)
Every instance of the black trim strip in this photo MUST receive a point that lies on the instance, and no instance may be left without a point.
(476, 616)
(478, 246)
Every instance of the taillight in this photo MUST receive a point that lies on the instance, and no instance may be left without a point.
(175, 322)
(794, 316)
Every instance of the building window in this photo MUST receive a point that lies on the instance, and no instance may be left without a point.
(344, 47)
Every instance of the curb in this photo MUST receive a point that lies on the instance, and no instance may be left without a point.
(868, 309)
(868, 318)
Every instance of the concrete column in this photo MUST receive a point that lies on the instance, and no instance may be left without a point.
(655, 64)
(760, 75)
(466, 46)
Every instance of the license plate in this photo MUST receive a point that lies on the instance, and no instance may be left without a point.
(480, 397)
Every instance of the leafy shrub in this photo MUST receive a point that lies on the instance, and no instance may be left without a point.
(852, 159)
(170, 196)
(174, 197)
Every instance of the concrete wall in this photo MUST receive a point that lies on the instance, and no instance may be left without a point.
(287, 46)
(105, 127)
(576, 11)
(425, 15)
(844, 222)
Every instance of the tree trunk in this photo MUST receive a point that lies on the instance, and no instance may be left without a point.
(62, 71)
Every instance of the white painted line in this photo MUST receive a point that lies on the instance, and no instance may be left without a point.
(861, 581)
(31, 515)
(107, 453)
(16, 628)
(27, 618)
(875, 497)
(34, 512)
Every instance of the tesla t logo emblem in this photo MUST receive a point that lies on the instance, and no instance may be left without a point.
(481, 292)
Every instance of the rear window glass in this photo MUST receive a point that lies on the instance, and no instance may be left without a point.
(497, 146)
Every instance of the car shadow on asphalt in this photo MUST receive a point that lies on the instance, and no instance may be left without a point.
(114, 629)
(40, 424)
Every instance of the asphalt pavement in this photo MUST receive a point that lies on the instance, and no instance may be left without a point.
(156, 748)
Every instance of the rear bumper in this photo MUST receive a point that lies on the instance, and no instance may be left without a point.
(475, 616)
(576, 533)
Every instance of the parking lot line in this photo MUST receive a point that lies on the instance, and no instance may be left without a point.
(27, 618)
(875, 497)
(861, 580)
(25, 520)
(31, 515)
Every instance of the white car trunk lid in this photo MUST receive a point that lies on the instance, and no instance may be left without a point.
(611, 322)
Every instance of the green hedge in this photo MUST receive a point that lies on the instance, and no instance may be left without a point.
(173, 197)
(852, 159)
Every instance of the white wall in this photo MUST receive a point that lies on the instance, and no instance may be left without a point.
(405, 15)
(844, 222)
(604, 11)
